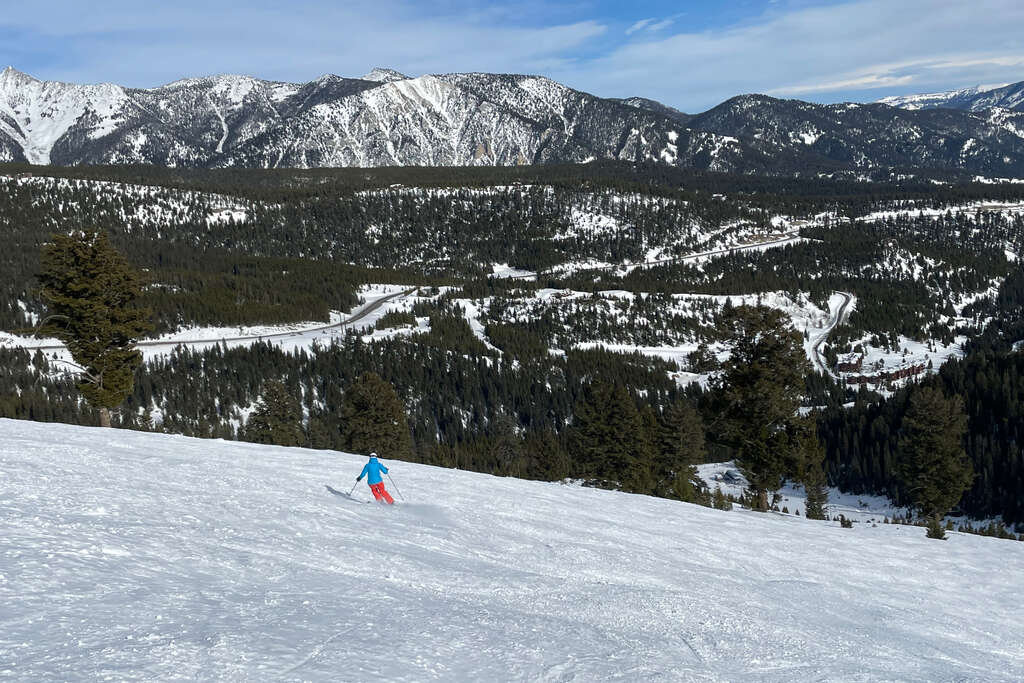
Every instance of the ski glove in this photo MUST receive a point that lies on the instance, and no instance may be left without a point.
(359, 478)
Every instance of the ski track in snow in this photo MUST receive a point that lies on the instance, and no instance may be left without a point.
(137, 556)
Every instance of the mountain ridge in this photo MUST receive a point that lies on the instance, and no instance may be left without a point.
(980, 97)
(462, 119)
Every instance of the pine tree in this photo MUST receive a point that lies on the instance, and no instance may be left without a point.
(506, 448)
(373, 419)
(816, 493)
(681, 446)
(277, 419)
(932, 464)
(547, 457)
(719, 501)
(759, 393)
(609, 441)
(806, 459)
(91, 290)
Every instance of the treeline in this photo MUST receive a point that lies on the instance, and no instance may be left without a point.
(909, 274)
(795, 194)
(222, 259)
(189, 280)
(29, 391)
(464, 410)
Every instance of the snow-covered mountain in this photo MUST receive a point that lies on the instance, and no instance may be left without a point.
(387, 118)
(382, 119)
(872, 136)
(1009, 96)
(131, 556)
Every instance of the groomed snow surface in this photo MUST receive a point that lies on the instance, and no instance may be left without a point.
(133, 556)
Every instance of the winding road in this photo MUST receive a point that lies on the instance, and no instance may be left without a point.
(785, 238)
(360, 313)
(822, 337)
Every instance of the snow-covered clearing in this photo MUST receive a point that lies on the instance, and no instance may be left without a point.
(805, 316)
(656, 257)
(860, 508)
(160, 205)
(141, 556)
(1010, 208)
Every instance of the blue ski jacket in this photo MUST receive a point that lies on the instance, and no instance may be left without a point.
(372, 472)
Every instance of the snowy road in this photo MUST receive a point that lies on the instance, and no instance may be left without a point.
(361, 312)
(785, 239)
(134, 556)
(788, 237)
(822, 336)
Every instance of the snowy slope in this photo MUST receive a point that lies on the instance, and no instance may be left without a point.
(135, 556)
(382, 119)
(36, 115)
(1008, 96)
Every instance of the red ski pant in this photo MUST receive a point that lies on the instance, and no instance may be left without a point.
(380, 494)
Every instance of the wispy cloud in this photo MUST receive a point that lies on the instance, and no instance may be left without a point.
(901, 74)
(638, 26)
(651, 25)
(661, 25)
(858, 48)
(299, 40)
(825, 49)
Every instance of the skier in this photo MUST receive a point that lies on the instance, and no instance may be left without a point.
(372, 471)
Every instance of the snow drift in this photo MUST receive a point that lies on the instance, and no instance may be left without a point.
(141, 556)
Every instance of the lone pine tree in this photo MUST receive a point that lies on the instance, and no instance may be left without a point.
(373, 419)
(932, 463)
(807, 457)
(816, 493)
(277, 418)
(91, 291)
(758, 395)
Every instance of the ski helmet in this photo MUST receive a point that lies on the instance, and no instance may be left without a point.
(373, 454)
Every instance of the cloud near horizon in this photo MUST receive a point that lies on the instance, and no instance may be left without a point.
(826, 50)
(862, 49)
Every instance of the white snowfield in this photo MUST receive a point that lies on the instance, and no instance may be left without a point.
(131, 556)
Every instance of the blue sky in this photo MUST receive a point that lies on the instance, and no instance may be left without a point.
(690, 54)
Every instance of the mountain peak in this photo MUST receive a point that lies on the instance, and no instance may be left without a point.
(11, 73)
(382, 75)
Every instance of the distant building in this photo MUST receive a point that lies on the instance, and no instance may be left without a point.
(901, 372)
(850, 362)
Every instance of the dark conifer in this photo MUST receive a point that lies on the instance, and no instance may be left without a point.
(759, 393)
(91, 291)
(277, 418)
(932, 463)
(609, 441)
(816, 492)
(373, 419)
(680, 448)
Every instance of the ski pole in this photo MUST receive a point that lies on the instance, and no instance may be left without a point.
(396, 487)
(353, 488)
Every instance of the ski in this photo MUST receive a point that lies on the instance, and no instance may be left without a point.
(342, 494)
